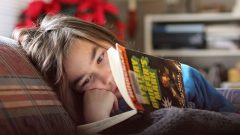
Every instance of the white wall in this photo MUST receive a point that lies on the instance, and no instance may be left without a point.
(9, 13)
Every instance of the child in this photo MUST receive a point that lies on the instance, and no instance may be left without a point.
(71, 55)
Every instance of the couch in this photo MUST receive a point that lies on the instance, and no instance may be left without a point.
(29, 106)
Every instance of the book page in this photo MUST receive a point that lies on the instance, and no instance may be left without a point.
(118, 76)
(93, 128)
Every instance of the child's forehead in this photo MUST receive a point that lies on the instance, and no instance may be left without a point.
(94, 42)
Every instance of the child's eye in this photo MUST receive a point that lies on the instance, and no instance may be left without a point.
(83, 84)
(100, 58)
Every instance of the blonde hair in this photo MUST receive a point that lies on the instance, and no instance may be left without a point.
(47, 44)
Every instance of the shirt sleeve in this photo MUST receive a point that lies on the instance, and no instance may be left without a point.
(201, 93)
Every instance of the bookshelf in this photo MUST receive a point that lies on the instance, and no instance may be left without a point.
(202, 18)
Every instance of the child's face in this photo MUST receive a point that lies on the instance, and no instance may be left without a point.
(87, 67)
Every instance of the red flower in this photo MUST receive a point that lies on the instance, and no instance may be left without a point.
(28, 23)
(69, 1)
(83, 7)
(53, 7)
(34, 9)
(88, 10)
(108, 7)
(87, 16)
(99, 16)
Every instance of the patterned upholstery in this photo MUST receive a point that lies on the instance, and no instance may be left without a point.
(27, 105)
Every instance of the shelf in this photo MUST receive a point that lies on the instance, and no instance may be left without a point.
(204, 18)
(194, 53)
(198, 17)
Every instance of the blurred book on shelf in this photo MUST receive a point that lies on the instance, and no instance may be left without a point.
(233, 77)
(178, 36)
(223, 36)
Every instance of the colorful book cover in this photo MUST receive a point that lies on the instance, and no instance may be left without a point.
(151, 82)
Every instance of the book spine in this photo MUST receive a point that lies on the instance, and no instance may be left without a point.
(126, 68)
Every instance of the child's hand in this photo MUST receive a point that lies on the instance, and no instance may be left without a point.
(98, 104)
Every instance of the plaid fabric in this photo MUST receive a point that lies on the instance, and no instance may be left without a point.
(27, 105)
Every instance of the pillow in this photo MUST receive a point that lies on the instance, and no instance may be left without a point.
(8, 41)
(27, 104)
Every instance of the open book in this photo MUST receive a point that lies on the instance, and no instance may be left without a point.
(146, 83)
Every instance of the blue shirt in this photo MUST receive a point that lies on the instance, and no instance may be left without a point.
(199, 92)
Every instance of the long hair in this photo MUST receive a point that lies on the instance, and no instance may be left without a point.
(47, 45)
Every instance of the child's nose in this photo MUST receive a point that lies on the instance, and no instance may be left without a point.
(106, 77)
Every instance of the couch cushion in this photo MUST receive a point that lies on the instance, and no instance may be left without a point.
(8, 41)
(27, 104)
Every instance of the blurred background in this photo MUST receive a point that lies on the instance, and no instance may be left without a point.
(202, 33)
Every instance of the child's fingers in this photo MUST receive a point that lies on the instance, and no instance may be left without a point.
(115, 104)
